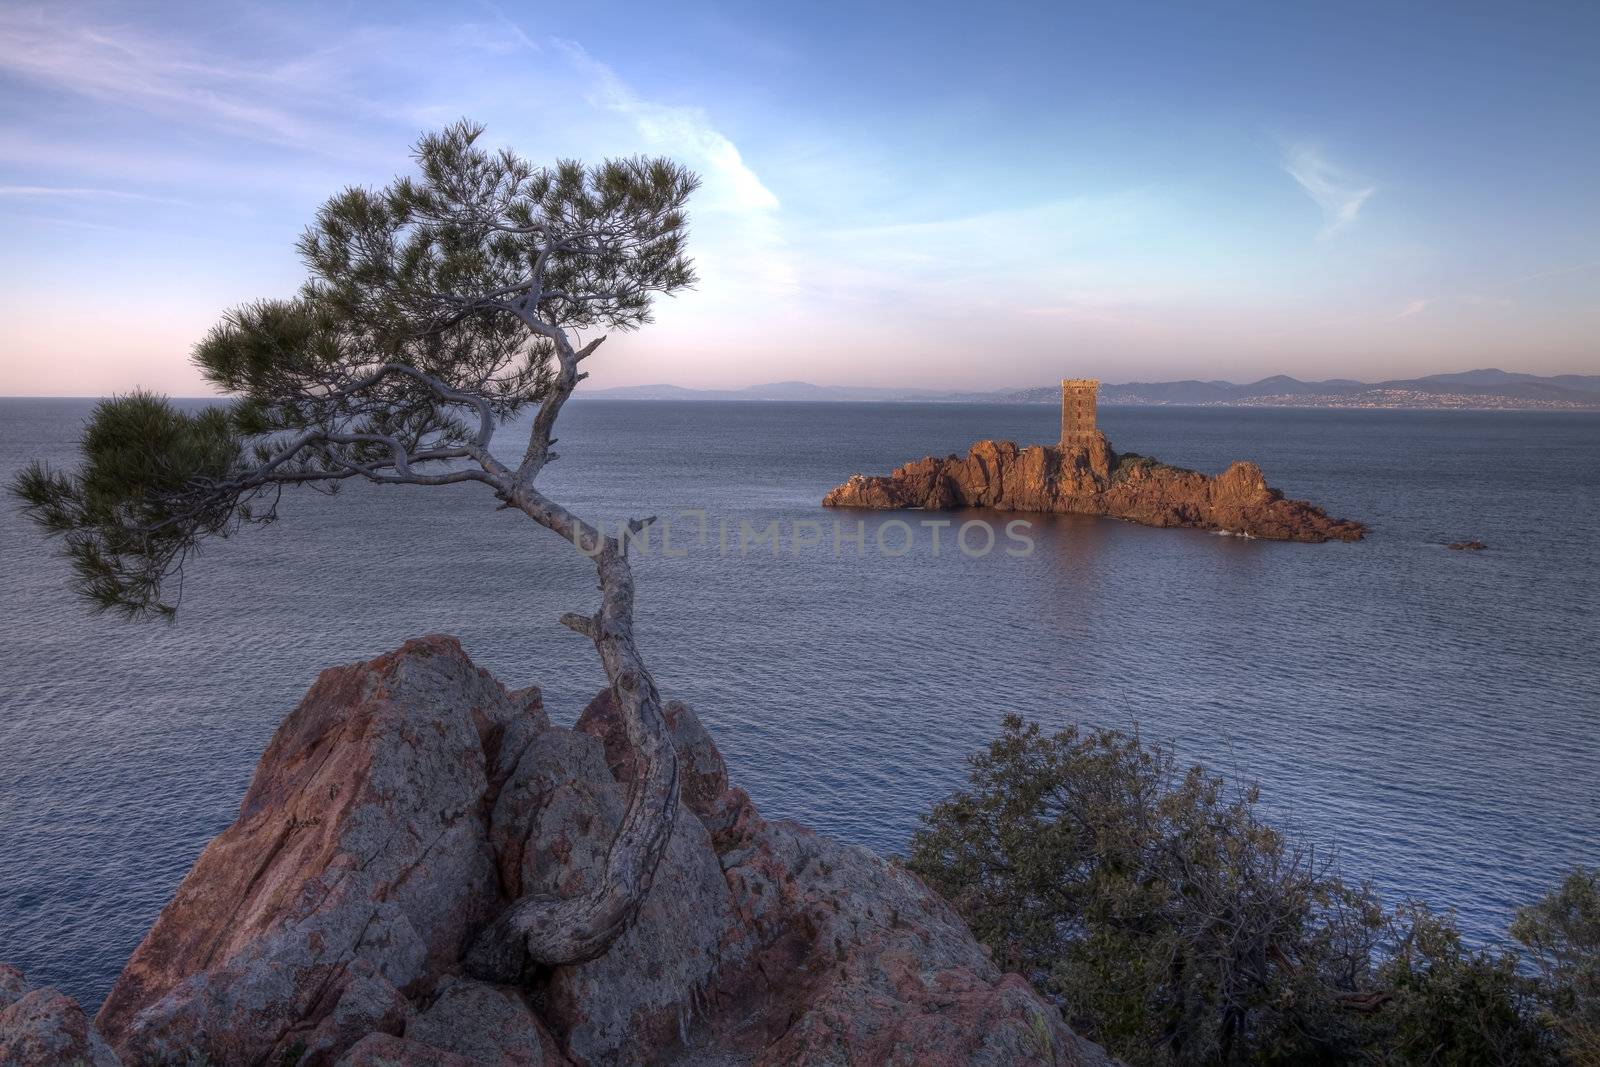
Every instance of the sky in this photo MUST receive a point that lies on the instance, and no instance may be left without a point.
(964, 196)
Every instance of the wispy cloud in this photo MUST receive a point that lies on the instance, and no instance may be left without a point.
(79, 193)
(1105, 309)
(300, 104)
(757, 247)
(52, 48)
(353, 95)
(502, 36)
(1066, 260)
(34, 218)
(1339, 193)
(1556, 273)
(1491, 297)
(688, 127)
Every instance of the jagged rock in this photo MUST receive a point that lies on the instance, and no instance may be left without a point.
(386, 1050)
(487, 1025)
(1092, 479)
(837, 957)
(703, 776)
(861, 963)
(43, 1027)
(360, 853)
(540, 828)
(407, 800)
(554, 820)
(368, 1004)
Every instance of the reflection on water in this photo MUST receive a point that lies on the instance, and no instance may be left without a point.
(1074, 548)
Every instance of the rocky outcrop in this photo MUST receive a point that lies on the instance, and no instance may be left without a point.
(407, 800)
(42, 1027)
(352, 878)
(1092, 479)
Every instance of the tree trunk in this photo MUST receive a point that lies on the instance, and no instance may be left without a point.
(549, 931)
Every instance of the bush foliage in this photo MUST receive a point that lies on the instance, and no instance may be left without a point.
(1174, 925)
(1560, 937)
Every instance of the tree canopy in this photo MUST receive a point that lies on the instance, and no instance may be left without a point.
(433, 310)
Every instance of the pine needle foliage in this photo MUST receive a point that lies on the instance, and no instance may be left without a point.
(431, 313)
(130, 513)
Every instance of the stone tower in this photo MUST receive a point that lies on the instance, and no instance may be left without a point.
(1077, 410)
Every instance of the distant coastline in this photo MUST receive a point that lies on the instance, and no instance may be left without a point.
(1479, 390)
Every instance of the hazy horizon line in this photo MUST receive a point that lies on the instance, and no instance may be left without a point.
(934, 389)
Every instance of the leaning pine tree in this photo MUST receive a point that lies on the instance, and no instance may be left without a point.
(435, 310)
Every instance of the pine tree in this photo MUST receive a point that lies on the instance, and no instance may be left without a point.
(435, 310)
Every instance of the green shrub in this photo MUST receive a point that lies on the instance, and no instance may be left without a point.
(1561, 936)
(1452, 1006)
(1173, 925)
(1127, 463)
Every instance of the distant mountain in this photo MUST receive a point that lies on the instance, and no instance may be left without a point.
(1487, 388)
(807, 391)
(1495, 377)
(1494, 388)
(658, 392)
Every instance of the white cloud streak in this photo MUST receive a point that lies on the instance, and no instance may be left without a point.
(299, 104)
(282, 119)
(79, 193)
(518, 36)
(1338, 193)
(750, 243)
(119, 66)
(1556, 273)
(735, 183)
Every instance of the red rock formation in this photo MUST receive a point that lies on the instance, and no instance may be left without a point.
(831, 955)
(43, 1027)
(407, 799)
(1094, 480)
(353, 877)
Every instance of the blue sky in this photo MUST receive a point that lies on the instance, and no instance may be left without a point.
(967, 196)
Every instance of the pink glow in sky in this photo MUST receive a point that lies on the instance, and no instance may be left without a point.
(1114, 200)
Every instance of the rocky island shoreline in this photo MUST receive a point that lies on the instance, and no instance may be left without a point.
(1088, 477)
(409, 799)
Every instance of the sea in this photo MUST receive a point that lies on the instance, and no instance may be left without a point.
(1429, 717)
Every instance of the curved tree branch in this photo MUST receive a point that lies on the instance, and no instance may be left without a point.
(541, 930)
(427, 302)
(561, 931)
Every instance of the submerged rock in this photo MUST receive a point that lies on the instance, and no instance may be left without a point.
(1467, 546)
(408, 799)
(1091, 479)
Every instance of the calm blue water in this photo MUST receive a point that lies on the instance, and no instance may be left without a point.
(1432, 714)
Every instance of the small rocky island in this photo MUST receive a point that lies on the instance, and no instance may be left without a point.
(409, 799)
(1083, 475)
